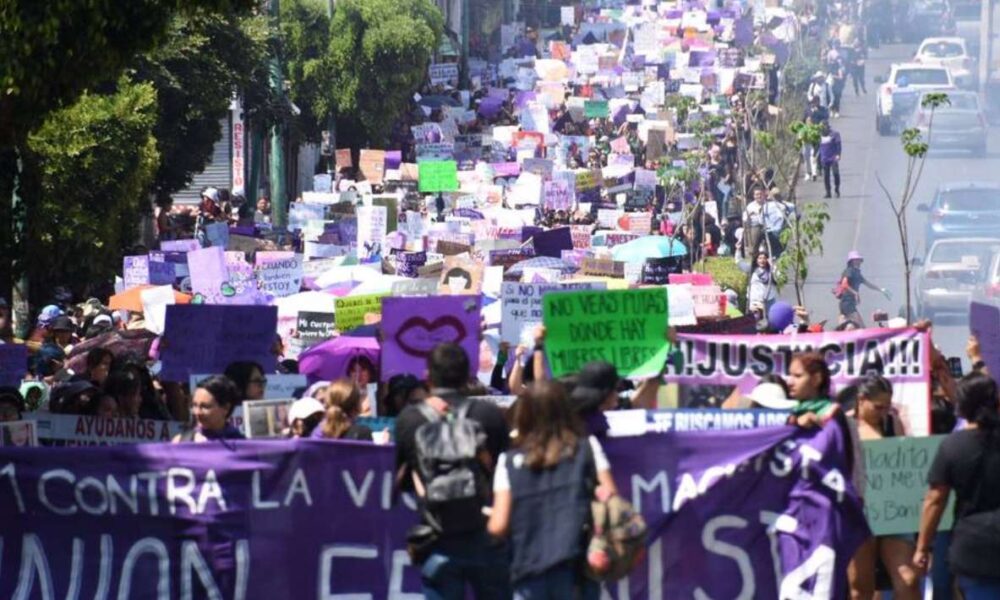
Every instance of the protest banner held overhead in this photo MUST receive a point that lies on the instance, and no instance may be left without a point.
(900, 355)
(627, 328)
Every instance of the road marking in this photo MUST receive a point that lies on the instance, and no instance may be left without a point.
(864, 186)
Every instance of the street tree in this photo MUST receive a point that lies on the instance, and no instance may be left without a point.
(377, 58)
(87, 169)
(915, 148)
(203, 60)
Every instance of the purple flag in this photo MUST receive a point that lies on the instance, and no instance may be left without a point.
(732, 514)
(412, 327)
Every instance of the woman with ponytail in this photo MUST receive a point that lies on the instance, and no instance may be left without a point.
(968, 461)
(343, 405)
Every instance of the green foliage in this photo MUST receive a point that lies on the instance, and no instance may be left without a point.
(804, 238)
(203, 59)
(726, 274)
(88, 170)
(378, 57)
(53, 50)
(913, 143)
(805, 134)
(305, 35)
(681, 105)
(934, 100)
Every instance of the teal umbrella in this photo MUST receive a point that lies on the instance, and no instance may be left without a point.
(651, 246)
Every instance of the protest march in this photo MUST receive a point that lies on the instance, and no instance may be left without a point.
(538, 345)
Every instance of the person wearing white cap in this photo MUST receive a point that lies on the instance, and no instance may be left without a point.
(820, 89)
(304, 415)
(848, 291)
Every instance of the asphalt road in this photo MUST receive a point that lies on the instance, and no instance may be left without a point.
(862, 219)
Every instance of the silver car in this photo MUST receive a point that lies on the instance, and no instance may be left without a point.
(958, 125)
(951, 273)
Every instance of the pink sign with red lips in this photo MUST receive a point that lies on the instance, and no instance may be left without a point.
(413, 326)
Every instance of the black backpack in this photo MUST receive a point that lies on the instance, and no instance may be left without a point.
(456, 486)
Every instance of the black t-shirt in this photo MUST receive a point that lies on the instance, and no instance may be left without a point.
(961, 465)
(488, 415)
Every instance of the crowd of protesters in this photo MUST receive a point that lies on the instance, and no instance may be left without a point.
(541, 459)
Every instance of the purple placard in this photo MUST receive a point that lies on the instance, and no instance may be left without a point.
(179, 245)
(208, 272)
(553, 242)
(135, 271)
(490, 107)
(393, 158)
(408, 263)
(413, 327)
(161, 272)
(506, 169)
(270, 519)
(984, 323)
(13, 364)
(206, 339)
(529, 231)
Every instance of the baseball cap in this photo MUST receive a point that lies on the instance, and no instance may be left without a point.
(771, 395)
(593, 384)
(303, 408)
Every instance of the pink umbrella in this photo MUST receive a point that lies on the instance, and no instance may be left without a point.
(329, 360)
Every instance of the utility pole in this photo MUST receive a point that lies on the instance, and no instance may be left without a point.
(985, 45)
(279, 197)
(331, 119)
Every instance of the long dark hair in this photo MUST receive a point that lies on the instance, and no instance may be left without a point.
(547, 428)
(241, 372)
(814, 363)
(978, 402)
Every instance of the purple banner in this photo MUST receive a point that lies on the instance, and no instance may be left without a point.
(729, 513)
(412, 327)
(13, 364)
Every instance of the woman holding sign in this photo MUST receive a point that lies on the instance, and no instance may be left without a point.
(968, 462)
(876, 420)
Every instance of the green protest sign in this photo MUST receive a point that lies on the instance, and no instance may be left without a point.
(626, 328)
(350, 311)
(596, 109)
(896, 482)
(438, 176)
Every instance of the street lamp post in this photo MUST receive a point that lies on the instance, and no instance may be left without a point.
(279, 197)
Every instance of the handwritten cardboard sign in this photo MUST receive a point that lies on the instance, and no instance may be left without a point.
(896, 481)
(351, 310)
(315, 327)
(626, 328)
(135, 270)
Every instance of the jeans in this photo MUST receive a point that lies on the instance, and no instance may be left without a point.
(940, 573)
(978, 588)
(809, 160)
(835, 168)
(558, 583)
(858, 78)
(476, 559)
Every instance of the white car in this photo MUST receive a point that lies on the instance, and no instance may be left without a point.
(950, 53)
(898, 95)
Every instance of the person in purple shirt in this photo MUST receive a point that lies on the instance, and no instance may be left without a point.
(829, 158)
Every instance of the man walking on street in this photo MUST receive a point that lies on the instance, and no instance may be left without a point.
(829, 158)
(451, 545)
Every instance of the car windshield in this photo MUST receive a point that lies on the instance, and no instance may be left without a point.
(961, 102)
(971, 254)
(921, 77)
(943, 50)
(970, 200)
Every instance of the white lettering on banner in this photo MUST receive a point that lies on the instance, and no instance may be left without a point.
(400, 560)
(11, 473)
(358, 496)
(716, 546)
(331, 551)
(35, 566)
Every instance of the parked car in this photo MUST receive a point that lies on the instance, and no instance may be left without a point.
(898, 94)
(926, 18)
(991, 288)
(958, 125)
(952, 54)
(953, 271)
(966, 209)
